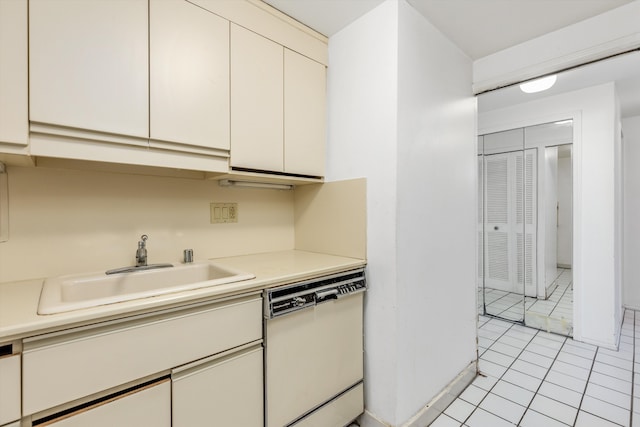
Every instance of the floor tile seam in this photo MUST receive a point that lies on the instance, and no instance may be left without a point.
(488, 412)
(584, 393)
(606, 401)
(609, 388)
(552, 398)
(494, 385)
(540, 385)
(544, 415)
(598, 416)
(615, 357)
(556, 305)
(611, 376)
(616, 366)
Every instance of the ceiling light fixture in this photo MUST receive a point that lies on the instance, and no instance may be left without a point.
(251, 184)
(538, 85)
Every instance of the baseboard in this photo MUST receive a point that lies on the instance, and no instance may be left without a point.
(438, 404)
(367, 419)
(434, 408)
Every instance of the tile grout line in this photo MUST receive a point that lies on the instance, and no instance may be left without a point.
(561, 296)
(584, 393)
(542, 382)
(509, 367)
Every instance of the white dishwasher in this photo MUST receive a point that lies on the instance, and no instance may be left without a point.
(314, 351)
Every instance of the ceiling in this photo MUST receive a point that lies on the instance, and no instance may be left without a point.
(622, 69)
(482, 27)
(478, 27)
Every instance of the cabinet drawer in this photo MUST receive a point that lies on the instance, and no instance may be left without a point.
(150, 407)
(224, 391)
(338, 412)
(9, 388)
(62, 367)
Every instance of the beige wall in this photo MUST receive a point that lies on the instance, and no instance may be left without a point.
(331, 218)
(69, 221)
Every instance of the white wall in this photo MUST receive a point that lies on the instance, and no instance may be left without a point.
(436, 228)
(74, 221)
(362, 134)
(597, 315)
(580, 43)
(401, 113)
(631, 147)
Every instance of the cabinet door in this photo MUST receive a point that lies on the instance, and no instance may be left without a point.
(256, 101)
(225, 391)
(9, 388)
(189, 72)
(13, 72)
(304, 115)
(150, 406)
(88, 64)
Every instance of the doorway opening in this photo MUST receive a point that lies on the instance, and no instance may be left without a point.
(525, 226)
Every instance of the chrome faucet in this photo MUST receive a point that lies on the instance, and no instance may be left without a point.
(141, 260)
(141, 253)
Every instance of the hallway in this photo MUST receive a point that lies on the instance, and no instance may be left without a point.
(531, 378)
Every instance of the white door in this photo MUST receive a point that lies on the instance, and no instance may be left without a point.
(510, 221)
(526, 219)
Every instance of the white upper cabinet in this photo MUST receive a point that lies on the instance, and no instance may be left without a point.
(304, 115)
(277, 107)
(89, 65)
(189, 75)
(256, 101)
(13, 73)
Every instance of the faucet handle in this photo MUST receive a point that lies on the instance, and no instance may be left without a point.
(143, 240)
(188, 256)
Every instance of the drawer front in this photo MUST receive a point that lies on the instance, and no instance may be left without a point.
(224, 392)
(338, 412)
(147, 407)
(9, 388)
(63, 367)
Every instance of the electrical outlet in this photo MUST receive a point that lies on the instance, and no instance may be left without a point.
(223, 212)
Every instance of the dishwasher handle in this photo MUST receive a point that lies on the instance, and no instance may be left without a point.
(325, 295)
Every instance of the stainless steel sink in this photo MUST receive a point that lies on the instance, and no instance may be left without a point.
(67, 293)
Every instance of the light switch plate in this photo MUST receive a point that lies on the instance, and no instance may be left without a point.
(223, 212)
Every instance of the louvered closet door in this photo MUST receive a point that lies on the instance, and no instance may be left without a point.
(510, 228)
(498, 258)
(526, 202)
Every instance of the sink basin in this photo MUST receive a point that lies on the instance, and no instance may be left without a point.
(73, 292)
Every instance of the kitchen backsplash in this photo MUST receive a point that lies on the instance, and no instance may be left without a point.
(64, 221)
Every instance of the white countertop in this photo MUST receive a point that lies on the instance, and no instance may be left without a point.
(19, 300)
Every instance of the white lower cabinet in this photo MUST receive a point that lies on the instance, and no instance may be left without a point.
(220, 391)
(116, 373)
(148, 406)
(9, 388)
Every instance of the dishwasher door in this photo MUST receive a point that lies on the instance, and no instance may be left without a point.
(312, 355)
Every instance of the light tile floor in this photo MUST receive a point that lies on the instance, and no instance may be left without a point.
(532, 378)
(554, 314)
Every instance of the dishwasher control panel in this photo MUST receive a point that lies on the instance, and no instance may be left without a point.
(301, 295)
